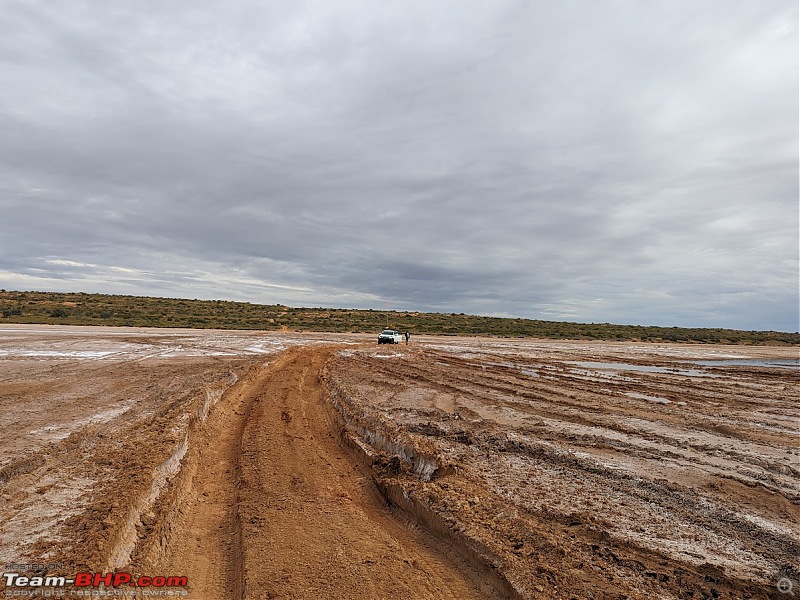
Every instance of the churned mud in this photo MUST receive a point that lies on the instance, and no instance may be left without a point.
(318, 466)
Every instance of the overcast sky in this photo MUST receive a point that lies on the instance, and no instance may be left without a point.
(620, 161)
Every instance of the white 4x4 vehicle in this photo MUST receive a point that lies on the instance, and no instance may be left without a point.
(390, 336)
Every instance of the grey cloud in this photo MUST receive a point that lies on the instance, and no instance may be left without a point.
(611, 161)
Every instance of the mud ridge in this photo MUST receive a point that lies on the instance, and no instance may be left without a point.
(21, 467)
(371, 445)
(128, 537)
(161, 523)
(383, 436)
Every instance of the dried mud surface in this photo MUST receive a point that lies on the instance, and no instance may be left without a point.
(318, 466)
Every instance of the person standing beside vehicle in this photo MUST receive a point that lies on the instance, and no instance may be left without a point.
(408, 336)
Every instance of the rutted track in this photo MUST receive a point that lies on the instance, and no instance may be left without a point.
(270, 504)
(313, 522)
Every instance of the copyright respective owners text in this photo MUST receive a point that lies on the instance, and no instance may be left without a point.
(58, 580)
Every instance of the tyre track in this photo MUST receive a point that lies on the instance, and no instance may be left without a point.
(313, 523)
(270, 504)
(202, 533)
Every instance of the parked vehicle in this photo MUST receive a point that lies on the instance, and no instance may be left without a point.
(390, 336)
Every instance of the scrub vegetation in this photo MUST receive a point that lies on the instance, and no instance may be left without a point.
(141, 311)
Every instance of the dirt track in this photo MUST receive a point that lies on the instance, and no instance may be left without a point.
(278, 508)
(290, 467)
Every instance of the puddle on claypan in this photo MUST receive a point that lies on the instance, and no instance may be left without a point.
(781, 363)
(644, 368)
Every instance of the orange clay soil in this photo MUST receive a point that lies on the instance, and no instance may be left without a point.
(287, 466)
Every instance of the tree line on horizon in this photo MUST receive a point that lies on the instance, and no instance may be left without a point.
(55, 308)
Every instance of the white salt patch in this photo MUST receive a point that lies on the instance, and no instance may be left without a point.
(261, 347)
(78, 354)
(768, 525)
(59, 432)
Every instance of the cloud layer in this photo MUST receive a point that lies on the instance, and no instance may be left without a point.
(609, 161)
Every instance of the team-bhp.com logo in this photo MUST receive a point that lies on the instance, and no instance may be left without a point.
(88, 583)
